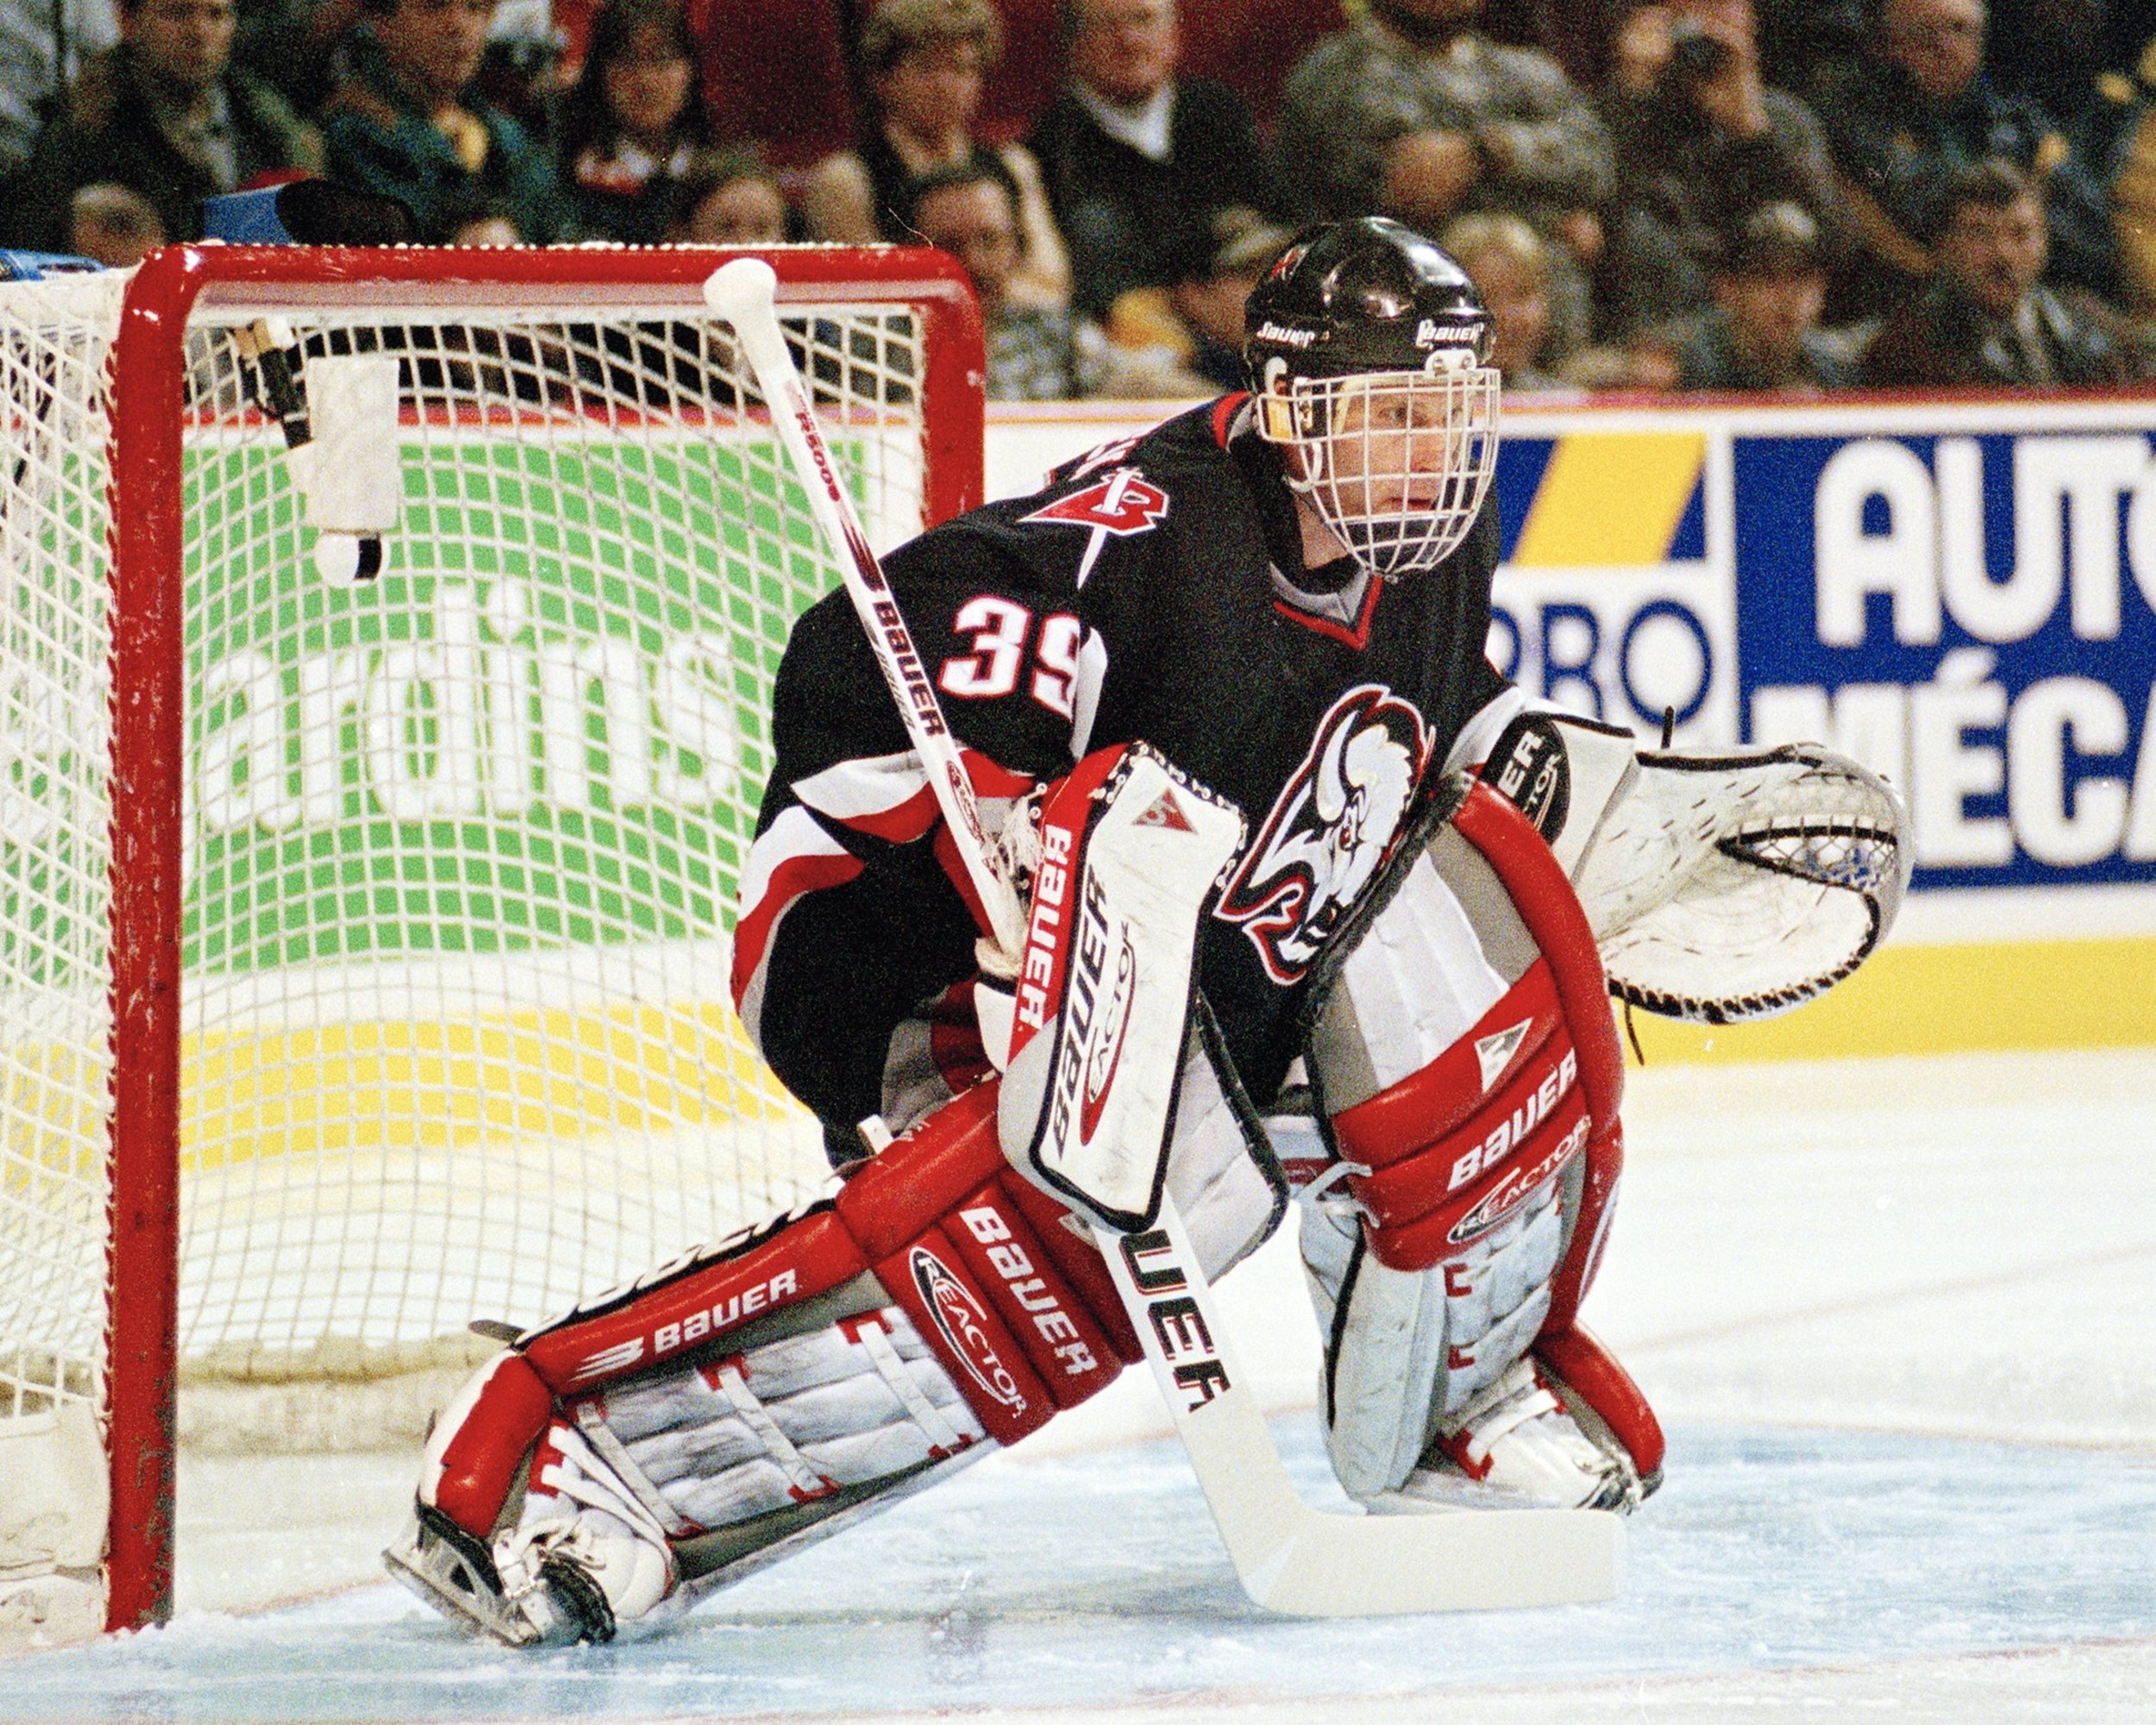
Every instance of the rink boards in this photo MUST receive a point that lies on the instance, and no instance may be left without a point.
(1962, 596)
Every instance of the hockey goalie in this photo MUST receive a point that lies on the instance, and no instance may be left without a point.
(1318, 907)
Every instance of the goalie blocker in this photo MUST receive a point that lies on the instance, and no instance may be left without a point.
(660, 1442)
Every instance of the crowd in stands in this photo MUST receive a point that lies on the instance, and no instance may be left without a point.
(1671, 194)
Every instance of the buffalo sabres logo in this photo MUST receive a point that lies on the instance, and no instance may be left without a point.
(1330, 831)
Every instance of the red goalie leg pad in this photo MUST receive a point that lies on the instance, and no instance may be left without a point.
(474, 1449)
(952, 1312)
(1452, 1091)
(1552, 910)
(482, 1437)
(1593, 1378)
(1058, 1334)
(1441, 1175)
(1439, 1137)
(686, 1305)
(1458, 1146)
(945, 1226)
(938, 1214)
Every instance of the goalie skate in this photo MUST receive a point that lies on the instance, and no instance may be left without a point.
(453, 1572)
(582, 1556)
(1517, 1445)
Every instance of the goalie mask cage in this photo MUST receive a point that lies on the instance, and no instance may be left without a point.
(364, 946)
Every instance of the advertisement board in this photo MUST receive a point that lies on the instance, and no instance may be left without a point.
(1962, 596)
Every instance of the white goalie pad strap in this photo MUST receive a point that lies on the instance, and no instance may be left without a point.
(1496, 1296)
(802, 1482)
(791, 1420)
(1736, 885)
(570, 1469)
(590, 1420)
(579, 1515)
(1130, 853)
(876, 1340)
(1405, 1350)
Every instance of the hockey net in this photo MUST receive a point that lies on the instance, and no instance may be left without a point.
(379, 930)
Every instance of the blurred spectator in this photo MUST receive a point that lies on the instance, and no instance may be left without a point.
(1762, 331)
(1799, 40)
(1574, 33)
(633, 120)
(291, 45)
(2122, 144)
(1509, 264)
(1139, 162)
(2049, 50)
(1036, 352)
(1412, 111)
(925, 61)
(407, 122)
(1194, 327)
(1919, 108)
(1985, 318)
(164, 116)
(728, 198)
(115, 227)
(1700, 141)
(971, 211)
(42, 43)
(527, 70)
(487, 223)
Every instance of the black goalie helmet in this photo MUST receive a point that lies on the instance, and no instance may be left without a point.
(1367, 352)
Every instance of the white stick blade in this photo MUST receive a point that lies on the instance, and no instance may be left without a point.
(1455, 1560)
(1303, 1562)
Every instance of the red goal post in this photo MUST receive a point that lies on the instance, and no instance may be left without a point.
(417, 888)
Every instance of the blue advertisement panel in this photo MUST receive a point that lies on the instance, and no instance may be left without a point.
(1962, 596)
(1973, 615)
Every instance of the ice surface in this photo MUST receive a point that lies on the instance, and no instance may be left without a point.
(1094, 1579)
(1899, 1317)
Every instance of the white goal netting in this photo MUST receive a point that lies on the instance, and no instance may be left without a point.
(461, 841)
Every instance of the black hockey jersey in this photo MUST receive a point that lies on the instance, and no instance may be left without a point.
(1154, 589)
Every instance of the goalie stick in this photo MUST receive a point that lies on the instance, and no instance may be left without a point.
(1289, 1557)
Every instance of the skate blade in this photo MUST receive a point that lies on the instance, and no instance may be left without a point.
(439, 1574)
